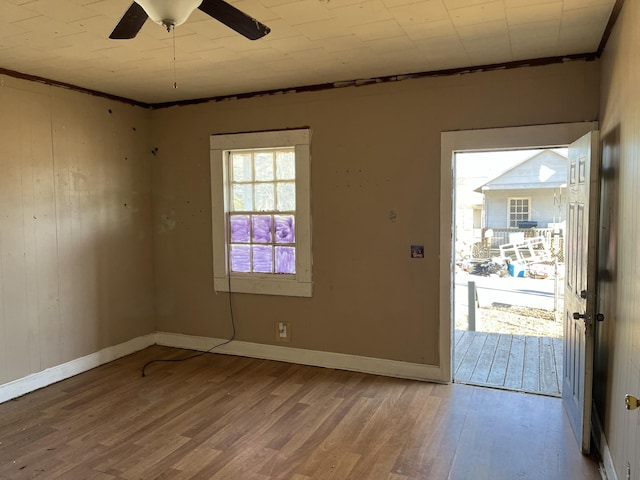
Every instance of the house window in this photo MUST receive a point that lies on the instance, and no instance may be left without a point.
(519, 211)
(260, 186)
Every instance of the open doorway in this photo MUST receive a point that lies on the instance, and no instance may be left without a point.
(508, 244)
(580, 301)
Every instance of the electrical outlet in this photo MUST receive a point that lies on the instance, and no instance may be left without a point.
(283, 332)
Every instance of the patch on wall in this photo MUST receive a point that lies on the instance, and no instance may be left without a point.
(167, 223)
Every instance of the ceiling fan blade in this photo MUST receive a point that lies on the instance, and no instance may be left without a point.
(130, 24)
(234, 18)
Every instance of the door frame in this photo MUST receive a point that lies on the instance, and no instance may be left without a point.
(536, 136)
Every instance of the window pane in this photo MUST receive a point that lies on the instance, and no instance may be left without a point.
(240, 258)
(285, 229)
(241, 167)
(286, 196)
(264, 166)
(285, 260)
(243, 198)
(262, 258)
(239, 228)
(261, 228)
(264, 197)
(286, 165)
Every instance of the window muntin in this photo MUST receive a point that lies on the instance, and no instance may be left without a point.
(519, 211)
(261, 212)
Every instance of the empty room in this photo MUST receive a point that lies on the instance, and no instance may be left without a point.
(226, 237)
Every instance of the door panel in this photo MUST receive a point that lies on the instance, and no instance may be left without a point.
(580, 287)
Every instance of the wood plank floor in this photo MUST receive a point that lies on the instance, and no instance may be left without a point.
(514, 362)
(225, 417)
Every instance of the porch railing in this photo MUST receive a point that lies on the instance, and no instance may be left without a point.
(491, 242)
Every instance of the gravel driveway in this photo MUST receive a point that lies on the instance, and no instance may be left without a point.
(516, 305)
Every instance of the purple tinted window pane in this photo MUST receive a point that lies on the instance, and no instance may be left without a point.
(261, 228)
(285, 260)
(239, 228)
(240, 258)
(262, 259)
(285, 229)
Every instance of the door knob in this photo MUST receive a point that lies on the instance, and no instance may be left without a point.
(578, 316)
(631, 402)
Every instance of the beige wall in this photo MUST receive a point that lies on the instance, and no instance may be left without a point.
(619, 338)
(86, 243)
(76, 271)
(374, 149)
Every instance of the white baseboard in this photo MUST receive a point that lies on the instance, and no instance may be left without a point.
(24, 385)
(340, 361)
(607, 470)
(607, 461)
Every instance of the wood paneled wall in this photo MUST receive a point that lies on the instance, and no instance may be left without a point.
(76, 270)
(619, 342)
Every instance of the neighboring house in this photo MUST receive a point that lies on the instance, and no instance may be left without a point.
(529, 194)
(468, 216)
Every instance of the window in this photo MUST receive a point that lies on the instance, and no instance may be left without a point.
(260, 186)
(519, 211)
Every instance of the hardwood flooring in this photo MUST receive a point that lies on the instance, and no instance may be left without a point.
(225, 417)
(515, 362)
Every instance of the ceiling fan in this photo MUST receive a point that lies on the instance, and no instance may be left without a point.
(171, 13)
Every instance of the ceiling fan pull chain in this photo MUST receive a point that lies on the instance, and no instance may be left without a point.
(175, 75)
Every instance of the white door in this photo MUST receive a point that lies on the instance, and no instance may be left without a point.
(580, 286)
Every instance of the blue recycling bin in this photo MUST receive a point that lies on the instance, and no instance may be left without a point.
(516, 269)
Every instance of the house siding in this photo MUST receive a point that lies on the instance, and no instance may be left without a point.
(545, 208)
(544, 170)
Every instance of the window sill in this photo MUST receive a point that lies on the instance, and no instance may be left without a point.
(275, 286)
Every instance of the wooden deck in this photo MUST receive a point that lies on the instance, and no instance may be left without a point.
(513, 362)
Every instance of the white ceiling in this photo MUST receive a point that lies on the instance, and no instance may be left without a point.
(311, 42)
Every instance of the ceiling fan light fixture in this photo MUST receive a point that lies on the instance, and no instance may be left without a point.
(169, 13)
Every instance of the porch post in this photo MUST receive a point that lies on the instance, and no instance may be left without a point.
(471, 300)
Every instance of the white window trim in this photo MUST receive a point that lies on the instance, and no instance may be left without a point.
(528, 199)
(300, 284)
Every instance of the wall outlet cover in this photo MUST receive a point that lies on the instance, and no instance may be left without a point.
(283, 332)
